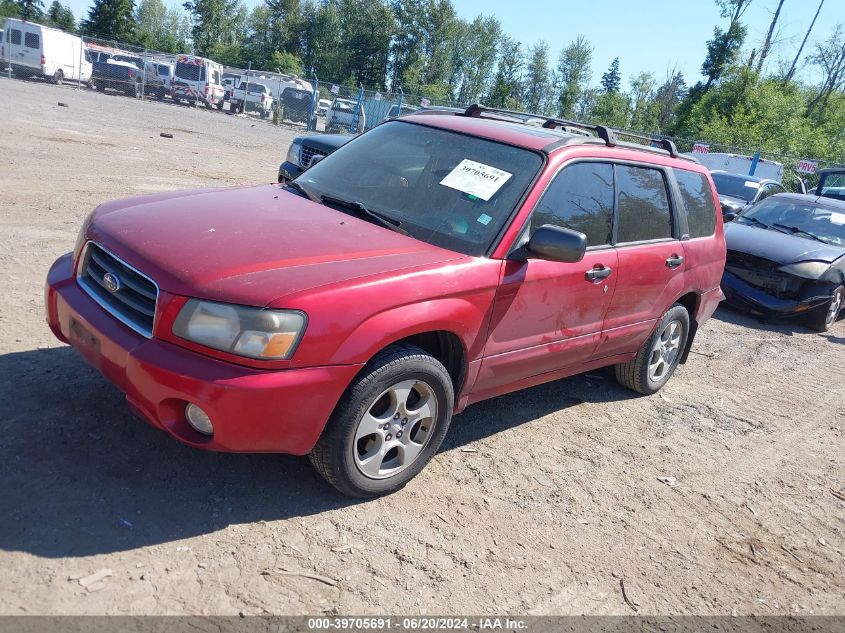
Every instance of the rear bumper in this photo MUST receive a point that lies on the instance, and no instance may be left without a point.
(252, 410)
(740, 294)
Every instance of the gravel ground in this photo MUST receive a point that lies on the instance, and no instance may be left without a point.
(544, 501)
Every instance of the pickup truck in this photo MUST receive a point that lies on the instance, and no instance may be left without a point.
(831, 183)
(250, 96)
(124, 74)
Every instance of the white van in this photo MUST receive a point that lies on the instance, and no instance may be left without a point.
(198, 80)
(36, 50)
(739, 164)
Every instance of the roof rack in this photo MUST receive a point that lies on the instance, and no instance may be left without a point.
(607, 134)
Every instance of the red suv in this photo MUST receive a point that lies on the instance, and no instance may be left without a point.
(435, 261)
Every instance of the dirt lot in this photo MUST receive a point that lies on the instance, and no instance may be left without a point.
(543, 501)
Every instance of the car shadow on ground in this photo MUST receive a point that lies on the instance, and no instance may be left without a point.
(787, 327)
(83, 476)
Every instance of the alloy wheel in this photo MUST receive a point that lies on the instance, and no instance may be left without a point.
(665, 351)
(395, 429)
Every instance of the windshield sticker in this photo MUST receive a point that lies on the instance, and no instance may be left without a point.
(476, 179)
(484, 219)
(752, 184)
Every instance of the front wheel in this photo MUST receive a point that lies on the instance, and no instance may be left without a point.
(388, 424)
(659, 356)
(59, 77)
(823, 318)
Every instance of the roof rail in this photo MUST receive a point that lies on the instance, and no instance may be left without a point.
(607, 134)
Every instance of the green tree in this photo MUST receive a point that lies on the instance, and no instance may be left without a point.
(9, 9)
(537, 80)
(111, 19)
(611, 80)
(573, 73)
(506, 89)
(212, 21)
(722, 51)
(475, 59)
(644, 107)
(161, 28)
(61, 17)
(668, 96)
(283, 62)
(611, 108)
(32, 10)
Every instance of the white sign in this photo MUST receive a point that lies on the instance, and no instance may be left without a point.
(701, 148)
(377, 96)
(806, 167)
(425, 103)
(476, 179)
(335, 89)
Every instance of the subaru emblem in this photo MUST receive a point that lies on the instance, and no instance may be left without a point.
(111, 282)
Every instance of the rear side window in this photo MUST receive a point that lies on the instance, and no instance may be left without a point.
(16, 36)
(698, 201)
(643, 211)
(31, 40)
(580, 198)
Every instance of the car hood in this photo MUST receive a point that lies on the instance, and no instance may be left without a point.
(250, 245)
(326, 142)
(776, 246)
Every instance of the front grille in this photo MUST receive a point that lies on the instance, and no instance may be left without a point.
(133, 303)
(308, 153)
(764, 275)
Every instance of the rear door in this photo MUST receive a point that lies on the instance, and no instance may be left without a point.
(30, 53)
(651, 257)
(547, 315)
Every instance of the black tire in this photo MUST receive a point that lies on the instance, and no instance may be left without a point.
(822, 319)
(59, 77)
(160, 94)
(334, 455)
(220, 105)
(635, 373)
(99, 87)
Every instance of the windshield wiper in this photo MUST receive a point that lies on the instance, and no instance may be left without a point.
(382, 220)
(300, 189)
(754, 220)
(795, 229)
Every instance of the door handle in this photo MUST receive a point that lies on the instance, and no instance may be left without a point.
(674, 261)
(598, 272)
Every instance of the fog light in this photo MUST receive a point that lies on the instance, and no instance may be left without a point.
(198, 419)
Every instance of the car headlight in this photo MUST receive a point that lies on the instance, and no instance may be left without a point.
(807, 270)
(241, 330)
(293, 153)
(80, 238)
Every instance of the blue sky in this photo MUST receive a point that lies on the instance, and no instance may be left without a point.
(646, 35)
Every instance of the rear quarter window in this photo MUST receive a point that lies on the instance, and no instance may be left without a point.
(698, 202)
(643, 211)
(31, 40)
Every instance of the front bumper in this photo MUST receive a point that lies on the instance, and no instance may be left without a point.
(742, 295)
(253, 410)
(288, 171)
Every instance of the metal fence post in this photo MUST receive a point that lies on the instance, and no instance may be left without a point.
(353, 128)
(81, 57)
(401, 97)
(144, 74)
(312, 118)
(9, 67)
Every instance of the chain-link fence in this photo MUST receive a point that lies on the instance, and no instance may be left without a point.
(313, 105)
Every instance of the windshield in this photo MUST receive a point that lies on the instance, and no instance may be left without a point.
(799, 218)
(736, 186)
(444, 188)
(190, 72)
(346, 106)
(833, 186)
(256, 89)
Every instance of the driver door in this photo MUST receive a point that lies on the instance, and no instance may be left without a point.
(548, 315)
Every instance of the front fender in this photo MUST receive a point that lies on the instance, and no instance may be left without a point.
(465, 317)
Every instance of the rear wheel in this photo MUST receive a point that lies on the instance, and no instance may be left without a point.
(59, 77)
(388, 424)
(823, 319)
(657, 359)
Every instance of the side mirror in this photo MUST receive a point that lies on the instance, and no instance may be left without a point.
(728, 217)
(557, 244)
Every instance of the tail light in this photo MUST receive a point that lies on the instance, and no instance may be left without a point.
(131, 73)
(43, 60)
